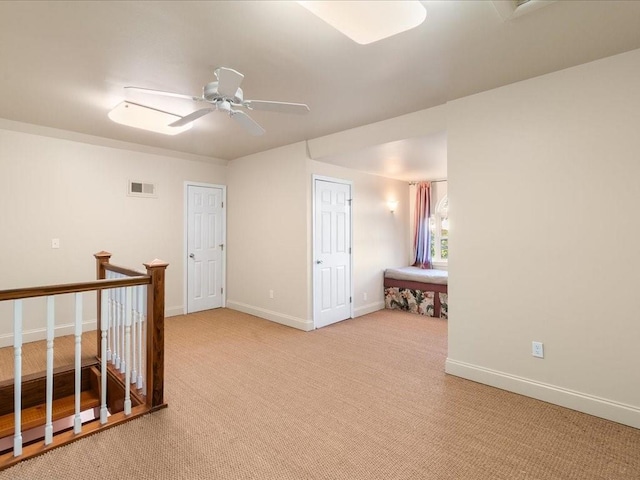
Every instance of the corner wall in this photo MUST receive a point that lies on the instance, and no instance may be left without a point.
(77, 192)
(267, 236)
(270, 228)
(541, 248)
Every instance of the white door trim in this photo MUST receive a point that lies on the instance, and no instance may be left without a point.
(313, 241)
(185, 253)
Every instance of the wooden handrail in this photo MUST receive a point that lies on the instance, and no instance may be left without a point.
(123, 270)
(30, 292)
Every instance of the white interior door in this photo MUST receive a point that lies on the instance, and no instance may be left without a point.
(205, 236)
(332, 252)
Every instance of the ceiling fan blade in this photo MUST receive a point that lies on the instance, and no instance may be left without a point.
(191, 117)
(248, 123)
(228, 81)
(165, 94)
(282, 107)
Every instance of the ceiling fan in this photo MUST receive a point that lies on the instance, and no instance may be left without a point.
(225, 94)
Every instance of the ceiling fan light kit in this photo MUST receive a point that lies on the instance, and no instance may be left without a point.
(225, 95)
(138, 116)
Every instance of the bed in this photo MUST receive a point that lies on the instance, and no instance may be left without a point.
(417, 290)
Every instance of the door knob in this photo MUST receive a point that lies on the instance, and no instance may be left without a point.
(191, 255)
(318, 262)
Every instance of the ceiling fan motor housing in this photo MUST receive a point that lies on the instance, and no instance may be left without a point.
(210, 93)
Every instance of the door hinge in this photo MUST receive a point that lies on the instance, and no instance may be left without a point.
(350, 299)
(349, 250)
(222, 205)
(349, 201)
(221, 290)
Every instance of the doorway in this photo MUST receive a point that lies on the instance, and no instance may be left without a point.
(205, 237)
(332, 255)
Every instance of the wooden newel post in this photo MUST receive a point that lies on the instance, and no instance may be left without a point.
(155, 333)
(101, 258)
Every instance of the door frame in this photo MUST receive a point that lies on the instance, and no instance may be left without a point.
(342, 181)
(185, 247)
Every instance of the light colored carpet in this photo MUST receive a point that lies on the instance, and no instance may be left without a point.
(363, 399)
(34, 355)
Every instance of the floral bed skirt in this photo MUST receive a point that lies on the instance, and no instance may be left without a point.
(444, 305)
(414, 301)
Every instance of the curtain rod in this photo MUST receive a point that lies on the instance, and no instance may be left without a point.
(432, 181)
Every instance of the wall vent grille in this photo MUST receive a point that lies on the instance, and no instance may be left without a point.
(142, 189)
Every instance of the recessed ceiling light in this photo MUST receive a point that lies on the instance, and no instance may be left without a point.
(367, 22)
(139, 116)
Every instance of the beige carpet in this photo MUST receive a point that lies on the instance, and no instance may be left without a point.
(363, 399)
(34, 355)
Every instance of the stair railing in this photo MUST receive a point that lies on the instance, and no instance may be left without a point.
(130, 319)
(143, 316)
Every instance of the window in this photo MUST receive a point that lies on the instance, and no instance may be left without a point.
(439, 226)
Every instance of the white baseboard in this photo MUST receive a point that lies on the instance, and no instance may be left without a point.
(282, 318)
(369, 308)
(582, 402)
(6, 340)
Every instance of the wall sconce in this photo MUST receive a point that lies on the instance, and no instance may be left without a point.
(392, 204)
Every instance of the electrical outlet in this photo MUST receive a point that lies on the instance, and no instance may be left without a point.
(537, 349)
(270, 293)
(55, 243)
(364, 296)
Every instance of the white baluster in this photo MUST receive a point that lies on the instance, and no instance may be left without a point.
(77, 420)
(142, 338)
(104, 328)
(123, 320)
(17, 378)
(112, 323)
(109, 300)
(127, 353)
(134, 320)
(48, 429)
(123, 354)
(116, 330)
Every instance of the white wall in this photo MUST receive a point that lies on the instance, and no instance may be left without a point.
(267, 235)
(415, 124)
(77, 192)
(529, 168)
(270, 228)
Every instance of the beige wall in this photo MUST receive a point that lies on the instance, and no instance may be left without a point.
(61, 188)
(270, 228)
(77, 192)
(267, 235)
(541, 248)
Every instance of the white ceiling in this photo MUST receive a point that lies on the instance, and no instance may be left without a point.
(64, 65)
(416, 158)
